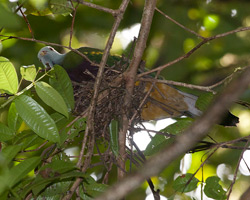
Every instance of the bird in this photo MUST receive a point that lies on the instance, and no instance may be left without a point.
(164, 100)
(76, 66)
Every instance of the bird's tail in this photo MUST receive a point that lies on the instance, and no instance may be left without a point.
(190, 100)
(228, 118)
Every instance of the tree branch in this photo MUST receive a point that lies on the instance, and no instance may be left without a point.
(204, 41)
(177, 23)
(130, 77)
(92, 5)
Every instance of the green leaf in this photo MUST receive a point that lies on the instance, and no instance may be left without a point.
(56, 189)
(60, 6)
(77, 128)
(114, 130)
(30, 140)
(21, 170)
(61, 123)
(37, 118)
(182, 184)
(157, 143)
(91, 188)
(9, 19)
(4, 175)
(85, 196)
(40, 183)
(95, 189)
(210, 22)
(8, 76)
(60, 166)
(14, 121)
(28, 72)
(27, 139)
(213, 189)
(204, 100)
(10, 152)
(38, 8)
(179, 126)
(5, 133)
(51, 97)
(62, 83)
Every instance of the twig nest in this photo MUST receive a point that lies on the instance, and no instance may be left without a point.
(110, 104)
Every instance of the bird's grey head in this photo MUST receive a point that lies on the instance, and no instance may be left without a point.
(49, 56)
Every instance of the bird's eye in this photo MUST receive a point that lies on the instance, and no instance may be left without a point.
(51, 49)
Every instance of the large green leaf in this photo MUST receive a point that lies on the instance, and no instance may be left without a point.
(179, 126)
(56, 189)
(30, 139)
(8, 76)
(157, 143)
(59, 166)
(4, 175)
(21, 170)
(51, 97)
(10, 152)
(37, 118)
(40, 183)
(38, 8)
(60, 6)
(28, 72)
(204, 100)
(96, 189)
(91, 188)
(6, 133)
(9, 19)
(213, 189)
(14, 121)
(182, 184)
(62, 83)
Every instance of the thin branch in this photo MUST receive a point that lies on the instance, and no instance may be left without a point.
(206, 40)
(38, 148)
(8, 37)
(100, 8)
(72, 23)
(245, 195)
(182, 26)
(191, 86)
(78, 181)
(150, 183)
(146, 96)
(236, 171)
(11, 98)
(26, 20)
(200, 167)
(153, 131)
(228, 78)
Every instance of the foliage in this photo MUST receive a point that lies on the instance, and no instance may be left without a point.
(37, 123)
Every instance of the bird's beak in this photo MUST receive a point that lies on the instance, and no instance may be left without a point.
(43, 53)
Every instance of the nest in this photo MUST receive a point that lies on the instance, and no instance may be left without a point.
(110, 103)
